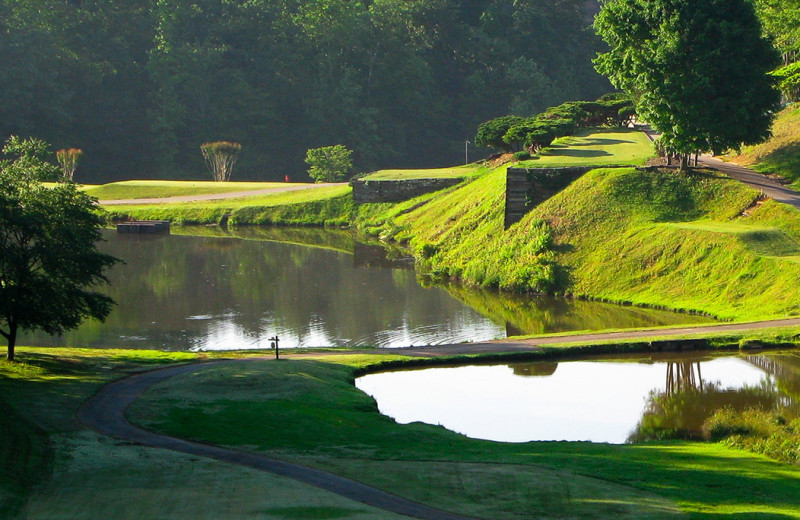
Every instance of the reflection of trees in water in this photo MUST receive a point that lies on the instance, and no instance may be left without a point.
(533, 369)
(683, 376)
(785, 368)
(687, 401)
(176, 287)
(541, 314)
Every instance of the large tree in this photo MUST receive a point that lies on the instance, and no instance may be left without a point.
(697, 70)
(49, 263)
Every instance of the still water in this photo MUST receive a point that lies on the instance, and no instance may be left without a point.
(311, 288)
(600, 401)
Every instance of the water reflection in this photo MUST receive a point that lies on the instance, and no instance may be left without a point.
(546, 314)
(219, 289)
(600, 401)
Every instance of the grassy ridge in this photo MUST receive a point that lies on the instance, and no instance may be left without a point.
(142, 189)
(655, 238)
(459, 235)
(320, 206)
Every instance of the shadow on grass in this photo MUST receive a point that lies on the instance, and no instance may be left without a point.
(574, 152)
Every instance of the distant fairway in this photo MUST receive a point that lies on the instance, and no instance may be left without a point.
(596, 147)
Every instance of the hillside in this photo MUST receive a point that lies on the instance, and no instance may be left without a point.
(695, 242)
(780, 155)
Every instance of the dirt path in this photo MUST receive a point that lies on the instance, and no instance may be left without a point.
(216, 196)
(105, 413)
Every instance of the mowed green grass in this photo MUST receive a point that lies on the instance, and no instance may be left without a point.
(308, 411)
(51, 467)
(431, 173)
(143, 189)
(595, 147)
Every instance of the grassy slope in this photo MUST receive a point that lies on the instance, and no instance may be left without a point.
(143, 189)
(596, 147)
(665, 239)
(780, 154)
(459, 234)
(272, 407)
(324, 205)
(659, 239)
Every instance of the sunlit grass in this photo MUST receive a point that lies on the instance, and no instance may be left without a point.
(141, 189)
(431, 173)
(314, 206)
(780, 154)
(595, 147)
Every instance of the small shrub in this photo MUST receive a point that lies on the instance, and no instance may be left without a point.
(522, 156)
(68, 160)
(758, 431)
(330, 163)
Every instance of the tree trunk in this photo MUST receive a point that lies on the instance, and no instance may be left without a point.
(12, 340)
(684, 160)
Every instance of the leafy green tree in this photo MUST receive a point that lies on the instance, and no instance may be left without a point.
(330, 163)
(781, 20)
(49, 262)
(697, 70)
(789, 81)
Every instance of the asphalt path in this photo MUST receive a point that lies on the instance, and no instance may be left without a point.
(216, 196)
(768, 186)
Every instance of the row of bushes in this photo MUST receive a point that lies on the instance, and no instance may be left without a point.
(514, 133)
(759, 431)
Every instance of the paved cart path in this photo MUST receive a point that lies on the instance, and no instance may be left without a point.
(105, 413)
(752, 178)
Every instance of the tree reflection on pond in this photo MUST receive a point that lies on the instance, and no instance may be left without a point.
(687, 401)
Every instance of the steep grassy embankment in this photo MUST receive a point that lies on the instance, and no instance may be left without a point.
(459, 234)
(668, 239)
(781, 153)
(656, 238)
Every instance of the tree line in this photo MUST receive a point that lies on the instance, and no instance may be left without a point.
(139, 85)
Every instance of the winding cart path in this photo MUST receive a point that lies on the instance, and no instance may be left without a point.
(105, 413)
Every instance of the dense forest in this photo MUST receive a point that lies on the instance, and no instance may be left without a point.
(139, 85)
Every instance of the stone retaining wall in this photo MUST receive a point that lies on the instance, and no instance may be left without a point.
(365, 190)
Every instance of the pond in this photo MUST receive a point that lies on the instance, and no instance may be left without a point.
(615, 401)
(214, 290)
